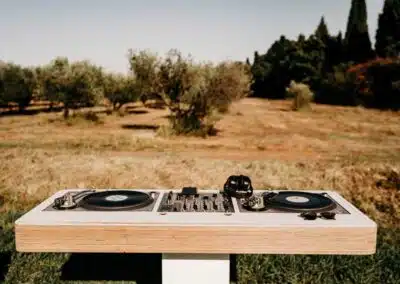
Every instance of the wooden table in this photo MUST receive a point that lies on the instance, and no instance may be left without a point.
(194, 243)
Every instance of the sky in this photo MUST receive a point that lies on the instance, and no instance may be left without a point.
(36, 31)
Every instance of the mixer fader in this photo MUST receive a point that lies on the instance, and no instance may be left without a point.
(189, 200)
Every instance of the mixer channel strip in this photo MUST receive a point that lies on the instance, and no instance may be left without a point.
(195, 202)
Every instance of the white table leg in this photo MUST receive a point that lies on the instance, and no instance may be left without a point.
(195, 268)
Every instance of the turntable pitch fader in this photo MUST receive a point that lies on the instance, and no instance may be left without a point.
(196, 230)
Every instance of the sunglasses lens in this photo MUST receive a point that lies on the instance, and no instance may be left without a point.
(309, 215)
(328, 215)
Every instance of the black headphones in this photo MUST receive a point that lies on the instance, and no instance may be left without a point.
(238, 186)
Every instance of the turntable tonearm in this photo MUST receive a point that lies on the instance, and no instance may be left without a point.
(203, 226)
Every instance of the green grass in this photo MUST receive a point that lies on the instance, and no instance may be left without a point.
(383, 267)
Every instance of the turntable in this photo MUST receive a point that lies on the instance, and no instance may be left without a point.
(115, 200)
(196, 230)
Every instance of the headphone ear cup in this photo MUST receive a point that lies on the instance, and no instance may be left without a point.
(246, 183)
(238, 186)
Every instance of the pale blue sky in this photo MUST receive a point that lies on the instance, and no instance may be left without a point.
(35, 31)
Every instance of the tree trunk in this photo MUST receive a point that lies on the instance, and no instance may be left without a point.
(66, 112)
(21, 108)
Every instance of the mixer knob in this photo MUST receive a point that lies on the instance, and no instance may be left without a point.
(215, 205)
(169, 200)
(205, 206)
(58, 202)
(226, 205)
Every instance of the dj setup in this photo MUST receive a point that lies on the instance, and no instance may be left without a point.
(196, 230)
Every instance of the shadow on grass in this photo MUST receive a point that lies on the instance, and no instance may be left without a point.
(168, 116)
(129, 107)
(285, 109)
(155, 105)
(142, 268)
(136, 111)
(5, 260)
(140, 126)
(30, 111)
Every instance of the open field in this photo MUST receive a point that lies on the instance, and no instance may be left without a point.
(351, 150)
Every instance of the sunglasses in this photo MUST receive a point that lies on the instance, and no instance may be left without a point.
(313, 215)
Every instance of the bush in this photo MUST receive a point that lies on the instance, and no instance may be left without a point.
(302, 95)
(339, 88)
(374, 84)
(382, 78)
(371, 84)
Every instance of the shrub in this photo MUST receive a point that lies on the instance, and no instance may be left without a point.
(372, 84)
(339, 88)
(382, 77)
(302, 95)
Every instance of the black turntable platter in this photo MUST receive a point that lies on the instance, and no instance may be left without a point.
(297, 201)
(115, 200)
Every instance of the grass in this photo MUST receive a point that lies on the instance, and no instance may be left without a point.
(351, 150)
(383, 267)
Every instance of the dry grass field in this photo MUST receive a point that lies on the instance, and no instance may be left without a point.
(351, 150)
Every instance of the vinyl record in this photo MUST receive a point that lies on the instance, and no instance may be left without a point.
(297, 201)
(115, 200)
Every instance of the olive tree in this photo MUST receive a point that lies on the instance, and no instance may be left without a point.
(119, 90)
(192, 91)
(73, 84)
(17, 85)
(144, 66)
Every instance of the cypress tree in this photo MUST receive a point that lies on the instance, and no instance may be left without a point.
(388, 33)
(339, 48)
(334, 52)
(322, 31)
(258, 72)
(357, 41)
